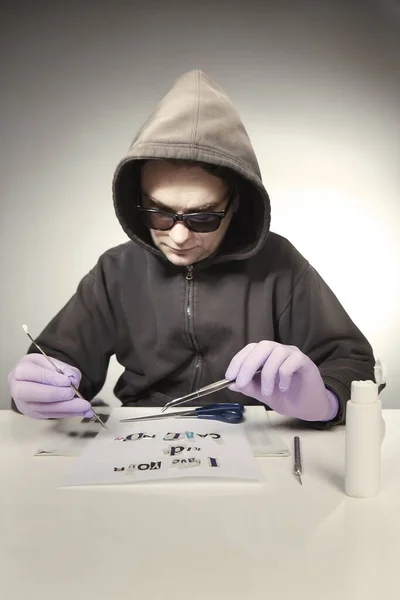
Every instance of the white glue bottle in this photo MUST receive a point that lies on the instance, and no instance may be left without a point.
(365, 430)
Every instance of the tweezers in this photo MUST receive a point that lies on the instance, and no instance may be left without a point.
(204, 391)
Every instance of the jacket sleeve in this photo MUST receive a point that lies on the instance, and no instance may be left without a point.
(82, 333)
(314, 320)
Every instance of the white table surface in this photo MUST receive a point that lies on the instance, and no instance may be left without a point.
(278, 540)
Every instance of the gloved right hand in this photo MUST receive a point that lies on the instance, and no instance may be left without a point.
(42, 393)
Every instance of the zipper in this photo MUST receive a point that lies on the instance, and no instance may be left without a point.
(189, 316)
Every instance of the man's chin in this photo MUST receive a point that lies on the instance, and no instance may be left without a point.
(183, 259)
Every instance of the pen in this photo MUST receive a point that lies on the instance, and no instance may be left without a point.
(297, 459)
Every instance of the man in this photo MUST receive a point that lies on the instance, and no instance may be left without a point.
(202, 290)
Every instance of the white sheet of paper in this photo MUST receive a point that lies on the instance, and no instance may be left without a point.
(164, 449)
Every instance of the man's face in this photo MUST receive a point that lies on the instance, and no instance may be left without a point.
(180, 189)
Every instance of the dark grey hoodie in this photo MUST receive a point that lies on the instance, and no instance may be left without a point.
(172, 333)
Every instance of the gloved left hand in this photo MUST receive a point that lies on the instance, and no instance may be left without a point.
(289, 383)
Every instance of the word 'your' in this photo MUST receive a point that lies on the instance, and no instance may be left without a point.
(177, 462)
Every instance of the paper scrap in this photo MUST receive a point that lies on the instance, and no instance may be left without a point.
(68, 437)
(263, 439)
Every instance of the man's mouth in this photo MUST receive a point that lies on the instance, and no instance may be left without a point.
(180, 250)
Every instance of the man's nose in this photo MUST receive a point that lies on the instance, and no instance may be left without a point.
(179, 234)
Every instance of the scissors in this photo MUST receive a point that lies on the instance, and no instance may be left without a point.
(204, 391)
(226, 412)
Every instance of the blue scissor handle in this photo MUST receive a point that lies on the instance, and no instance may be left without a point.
(226, 406)
(228, 413)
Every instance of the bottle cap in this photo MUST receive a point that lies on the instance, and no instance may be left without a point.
(364, 392)
(380, 372)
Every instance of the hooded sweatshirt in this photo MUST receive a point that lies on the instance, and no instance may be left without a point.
(175, 329)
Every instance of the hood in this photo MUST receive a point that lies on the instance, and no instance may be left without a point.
(196, 120)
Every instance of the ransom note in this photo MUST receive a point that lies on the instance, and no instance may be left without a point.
(164, 449)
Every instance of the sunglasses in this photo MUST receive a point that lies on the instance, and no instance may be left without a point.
(199, 222)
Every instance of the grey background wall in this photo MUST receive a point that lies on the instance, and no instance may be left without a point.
(316, 83)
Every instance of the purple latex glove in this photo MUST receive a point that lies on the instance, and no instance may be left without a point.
(289, 383)
(42, 393)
